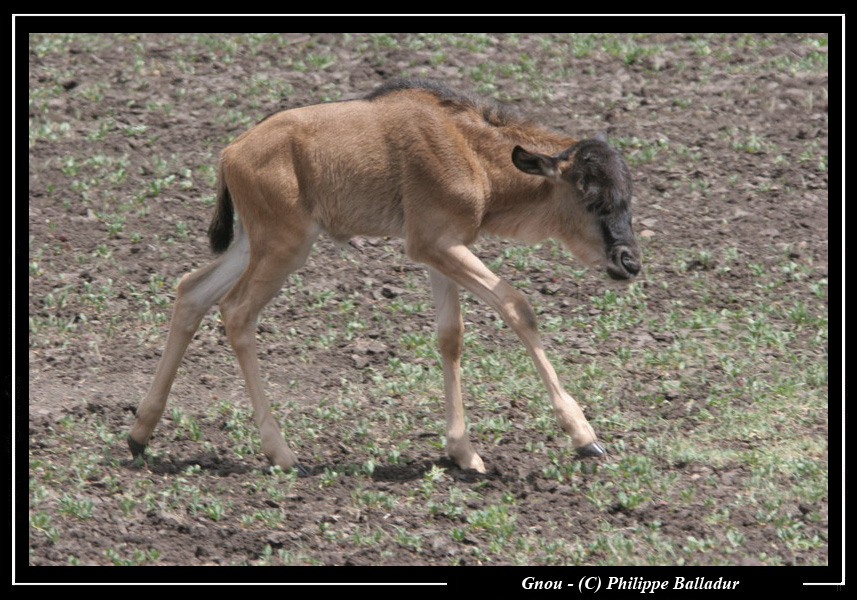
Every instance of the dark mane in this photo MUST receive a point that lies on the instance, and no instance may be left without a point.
(493, 112)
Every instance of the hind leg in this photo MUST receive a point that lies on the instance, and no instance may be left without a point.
(265, 275)
(196, 293)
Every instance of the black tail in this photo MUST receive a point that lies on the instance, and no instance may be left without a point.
(220, 230)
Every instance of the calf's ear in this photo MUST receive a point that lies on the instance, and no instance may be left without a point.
(534, 163)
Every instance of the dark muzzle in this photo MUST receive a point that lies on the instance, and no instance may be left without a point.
(623, 262)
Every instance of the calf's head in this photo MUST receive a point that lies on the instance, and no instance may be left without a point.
(593, 188)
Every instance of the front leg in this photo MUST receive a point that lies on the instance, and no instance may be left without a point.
(450, 335)
(460, 265)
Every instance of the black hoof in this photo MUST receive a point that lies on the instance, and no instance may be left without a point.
(137, 449)
(593, 449)
(302, 472)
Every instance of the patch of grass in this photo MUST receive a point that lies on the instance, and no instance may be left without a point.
(686, 376)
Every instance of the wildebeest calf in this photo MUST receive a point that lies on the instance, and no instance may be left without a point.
(417, 160)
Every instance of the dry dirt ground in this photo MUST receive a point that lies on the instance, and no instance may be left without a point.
(728, 144)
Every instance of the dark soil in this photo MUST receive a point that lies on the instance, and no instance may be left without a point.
(701, 107)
